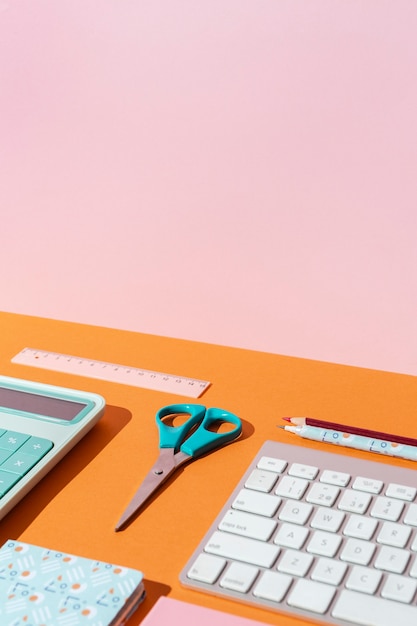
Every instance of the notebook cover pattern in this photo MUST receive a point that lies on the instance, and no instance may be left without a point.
(42, 587)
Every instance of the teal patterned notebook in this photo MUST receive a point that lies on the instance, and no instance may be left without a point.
(41, 587)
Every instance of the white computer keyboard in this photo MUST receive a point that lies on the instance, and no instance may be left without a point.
(325, 536)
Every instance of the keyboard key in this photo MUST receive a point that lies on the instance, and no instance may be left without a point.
(271, 464)
(401, 492)
(242, 549)
(272, 586)
(360, 527)
(329, 571)
(340, 479)
(248, 525)
(413, 569)
(387, 509)
(363, 579)
(354, 501)
(207, 568)
(375, 611)
(291, 536)
(411, 515)
(295, 563)
(392, 534)
(239, 577)
(324, 544)
(357, 551)
(311, 596)
(399, 588)
(261, 480)
(293, 488)
(295, 512)
(257, 502)
(327, 519)
(392, 559)
(369, 485)
(322, 494)
(303, 471)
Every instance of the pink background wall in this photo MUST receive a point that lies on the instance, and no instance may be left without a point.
(232, 171)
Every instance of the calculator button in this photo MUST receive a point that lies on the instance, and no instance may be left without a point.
(36, 446)
(7, 480)
(12, 440)
(19, 463)
(4, 455)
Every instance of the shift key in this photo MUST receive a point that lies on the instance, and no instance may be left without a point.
(242, 549)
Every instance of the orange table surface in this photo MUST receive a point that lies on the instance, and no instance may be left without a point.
(75, 507)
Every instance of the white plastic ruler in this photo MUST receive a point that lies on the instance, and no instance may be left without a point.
(134, 376)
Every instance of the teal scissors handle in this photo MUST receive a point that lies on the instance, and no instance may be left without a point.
(179, 444)
(202, 439)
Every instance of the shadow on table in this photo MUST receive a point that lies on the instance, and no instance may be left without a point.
(113, 421)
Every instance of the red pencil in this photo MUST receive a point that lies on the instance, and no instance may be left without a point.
(353, 430)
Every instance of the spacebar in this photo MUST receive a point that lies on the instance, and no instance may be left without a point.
(365, 610)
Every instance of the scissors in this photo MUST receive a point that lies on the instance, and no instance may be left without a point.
(180, 444)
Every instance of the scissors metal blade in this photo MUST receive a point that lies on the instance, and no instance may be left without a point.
(166, 464)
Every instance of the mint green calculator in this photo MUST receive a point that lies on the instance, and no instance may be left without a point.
(39, 424)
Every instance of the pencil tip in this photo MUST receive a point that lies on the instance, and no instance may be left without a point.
(279, 426)
(287, 419)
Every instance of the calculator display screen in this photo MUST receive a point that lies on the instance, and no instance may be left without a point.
(48, 406)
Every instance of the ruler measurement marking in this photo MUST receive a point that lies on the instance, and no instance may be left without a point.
(111, 372)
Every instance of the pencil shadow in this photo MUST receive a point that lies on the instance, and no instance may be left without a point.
(113, 421)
